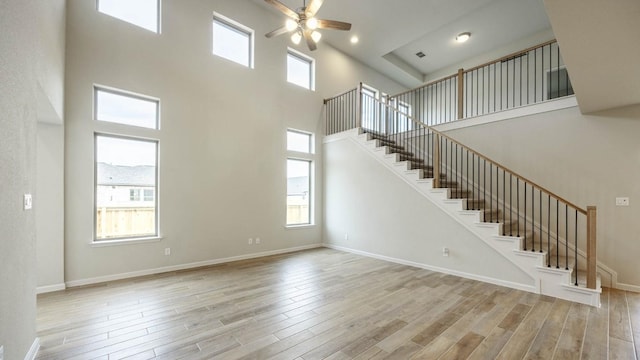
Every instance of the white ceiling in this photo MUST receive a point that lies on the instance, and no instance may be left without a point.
(392, 32)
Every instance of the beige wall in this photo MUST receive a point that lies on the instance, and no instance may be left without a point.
(222, 137)
(370, 209)
(29, 63)
(588, 159)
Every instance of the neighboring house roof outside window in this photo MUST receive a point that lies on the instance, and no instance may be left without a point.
(119, 175)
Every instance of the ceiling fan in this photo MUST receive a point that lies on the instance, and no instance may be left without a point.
(303, 23)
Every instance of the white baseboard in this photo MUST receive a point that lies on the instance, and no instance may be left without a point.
(50, 288)
(33, 351)
(627, 287)
(509, 284)
(106, 278)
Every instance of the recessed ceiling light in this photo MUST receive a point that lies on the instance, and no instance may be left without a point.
(462, 37)
(354, 39)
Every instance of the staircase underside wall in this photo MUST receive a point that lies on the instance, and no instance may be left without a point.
(369, 209)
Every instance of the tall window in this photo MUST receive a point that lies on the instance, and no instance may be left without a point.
(300, 69)
(232, 40)
(142, 13)
(125, 182)
(299, 172)
(123, 108)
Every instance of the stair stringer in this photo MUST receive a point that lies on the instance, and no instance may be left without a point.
(547, 281)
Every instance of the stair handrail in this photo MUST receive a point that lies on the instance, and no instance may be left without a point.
(590, 212)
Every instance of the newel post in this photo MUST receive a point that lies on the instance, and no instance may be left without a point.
(591, 247)
(460, 93)
(436, 160)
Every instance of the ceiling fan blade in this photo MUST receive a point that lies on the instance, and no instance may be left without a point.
(312, 8)
(276, 32)
(284, 9)
(335, 25)
(310, 43)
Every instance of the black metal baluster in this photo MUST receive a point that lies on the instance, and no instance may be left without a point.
(548, 230)
(566, 237)
(575, 243)
(525, 216)
(484, 186)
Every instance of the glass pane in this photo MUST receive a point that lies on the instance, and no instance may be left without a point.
(143, 13)
(299, 71)
(125, 175)
(124, 109)
(297, 141)
(231, 43)
(298, 192)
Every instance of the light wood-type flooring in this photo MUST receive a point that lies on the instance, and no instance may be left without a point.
(326, 304)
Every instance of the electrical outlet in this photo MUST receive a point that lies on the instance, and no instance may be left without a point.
(622, 201)
(28, 201)
(257, 241)
(250, 242)
(445, 252)
(167, 251)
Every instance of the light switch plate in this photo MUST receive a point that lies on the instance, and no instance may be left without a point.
(28, 201)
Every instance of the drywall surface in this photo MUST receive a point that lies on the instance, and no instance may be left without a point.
(22, 58)
(587, 159)
(370, 209)
(222, 139)
(49, 211)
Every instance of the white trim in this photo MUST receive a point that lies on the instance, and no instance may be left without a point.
(538, 108)
(50, 288)
(33, 351)
(509, 284)
(106, 278)
(130, 241)
(627, 287)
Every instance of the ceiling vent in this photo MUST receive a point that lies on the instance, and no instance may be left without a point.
(420, 54)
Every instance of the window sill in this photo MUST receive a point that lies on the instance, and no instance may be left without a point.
(104, 243)
(301, 226)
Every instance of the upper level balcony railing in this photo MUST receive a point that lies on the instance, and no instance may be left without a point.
(526, 77)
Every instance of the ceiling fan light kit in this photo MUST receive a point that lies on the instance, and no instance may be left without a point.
(303, 23)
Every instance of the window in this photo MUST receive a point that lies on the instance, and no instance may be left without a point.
(123, 108)
(125, 183)
(143, 13)
(300, 69)
(299, 171)
(232, 41)
(298, 141)
(558, 83)
(298, 192)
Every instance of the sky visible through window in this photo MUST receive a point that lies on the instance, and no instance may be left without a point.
(127, 110)
(125, 152)
(299, 71)
(297, 168)
(231, 43)
(297, 141)
(143, 13)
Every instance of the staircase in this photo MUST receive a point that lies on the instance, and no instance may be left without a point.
(529, 241)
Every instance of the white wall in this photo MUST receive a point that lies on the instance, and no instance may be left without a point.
(25, 50)
(50, 206)
(370, 209)
(587, 159)
(222, 138)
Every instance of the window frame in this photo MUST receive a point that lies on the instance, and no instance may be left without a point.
(100, 88)
(236, 27)
(301, 156)
(158, 17)
(312, 67)
(125, 239)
